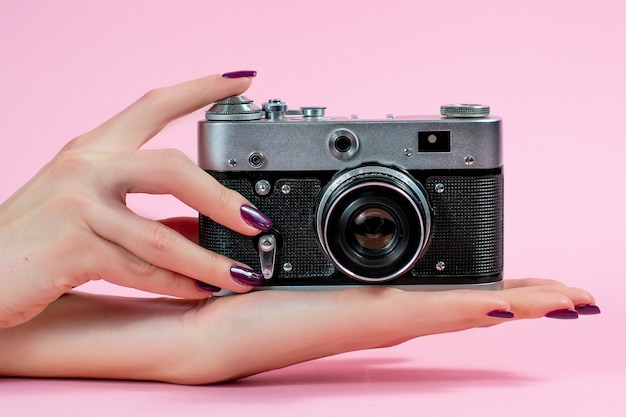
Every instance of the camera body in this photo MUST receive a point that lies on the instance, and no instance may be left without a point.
(413, 202)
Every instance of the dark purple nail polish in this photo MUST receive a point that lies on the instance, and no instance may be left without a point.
(587, 309)
(564, 314)
(207, 287)
(239, 74)
(246, 276)
(256, 218)
(501, 314)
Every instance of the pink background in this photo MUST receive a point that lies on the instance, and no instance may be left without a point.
(554, 70)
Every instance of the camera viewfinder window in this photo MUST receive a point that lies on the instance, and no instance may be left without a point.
(436, 141)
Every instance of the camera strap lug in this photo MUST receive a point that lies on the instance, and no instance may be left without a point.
(267, 254)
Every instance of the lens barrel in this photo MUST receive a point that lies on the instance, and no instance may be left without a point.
(373, 222)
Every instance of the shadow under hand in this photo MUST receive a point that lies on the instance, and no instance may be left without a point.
(345, 376)
(335, 377)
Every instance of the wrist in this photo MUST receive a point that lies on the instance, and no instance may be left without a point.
(95, 336)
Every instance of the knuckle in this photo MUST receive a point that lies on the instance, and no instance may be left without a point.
(175, 158)
(151, 96)
(178, 284)
(173, 161)
(223, 196)
(140, 268)
(553, 283)
(545, 282)
(70, 161)
(10, 317)
(562, 301)
(77, 208)
(75, 143)
(160, 238)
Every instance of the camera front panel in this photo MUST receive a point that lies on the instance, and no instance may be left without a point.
(464, 246)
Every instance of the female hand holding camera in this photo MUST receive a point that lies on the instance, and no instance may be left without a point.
(70, 224)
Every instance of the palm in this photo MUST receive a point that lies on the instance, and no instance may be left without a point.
(263, 330)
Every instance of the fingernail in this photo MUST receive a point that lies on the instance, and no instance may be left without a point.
(239, 74)
(501, 314)
(587, 309)
(207, 287)
(564, 314)
(246, 276)
(256, 218)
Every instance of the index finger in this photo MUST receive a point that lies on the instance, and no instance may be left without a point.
(143, 119)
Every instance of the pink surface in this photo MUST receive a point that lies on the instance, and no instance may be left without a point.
(553, 70)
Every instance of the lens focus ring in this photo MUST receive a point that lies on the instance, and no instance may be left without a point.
(373, 222)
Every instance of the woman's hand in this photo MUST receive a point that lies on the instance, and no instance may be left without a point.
(70, 224)
(221, 339)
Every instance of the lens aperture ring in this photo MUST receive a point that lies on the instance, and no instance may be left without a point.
(388, 196)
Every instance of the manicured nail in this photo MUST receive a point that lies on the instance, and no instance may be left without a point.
(564, 314)
(587, 309)
(246, 276)
(207, 287)
(239, 74)
(501, 314)
(255, 218)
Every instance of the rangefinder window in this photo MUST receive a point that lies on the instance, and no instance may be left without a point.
(435, 141)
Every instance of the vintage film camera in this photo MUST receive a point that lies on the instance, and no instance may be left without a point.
(414, 202)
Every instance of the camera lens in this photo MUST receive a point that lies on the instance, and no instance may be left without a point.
(373, 222)
(373, 230)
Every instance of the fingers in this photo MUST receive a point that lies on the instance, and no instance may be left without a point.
(147, 116)
(171, 172)
(164, 248)
(535, 298)
(119, 168)
(445, 311)
(421, 313)
(121, 267)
